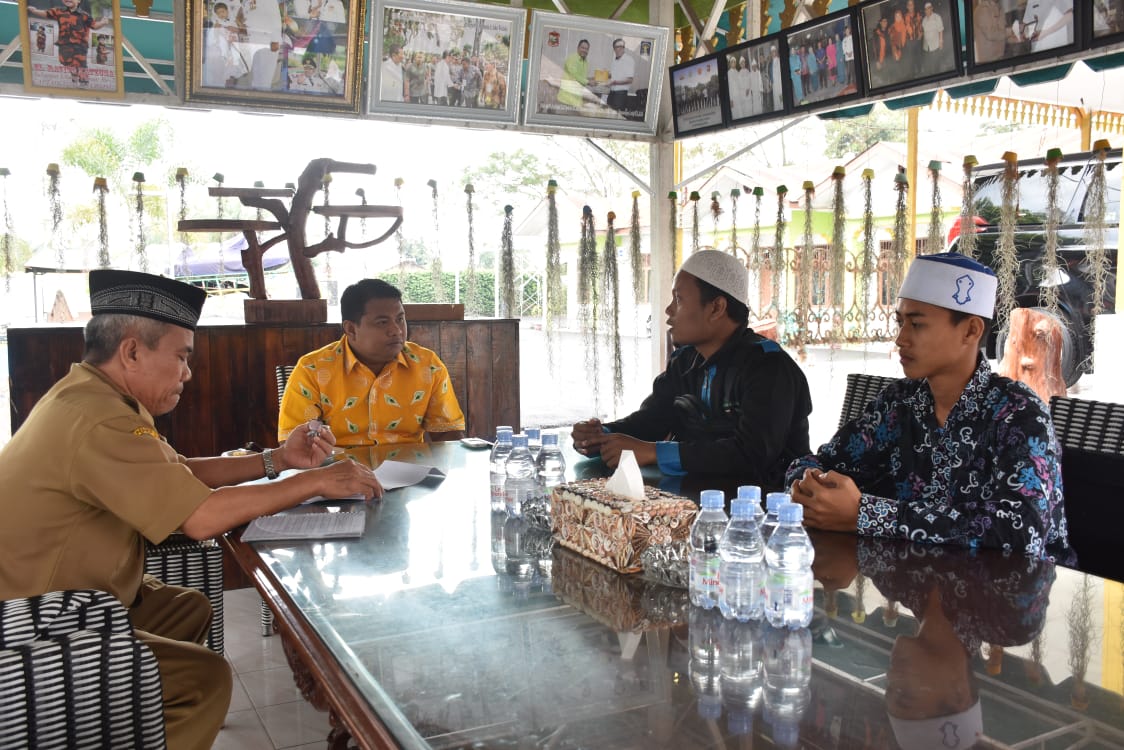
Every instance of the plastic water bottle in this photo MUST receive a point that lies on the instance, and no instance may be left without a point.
(741, 654)
(788, 555)
(704, 669)
(550, 466)
(741, 572)
(500, 451)
(534, 440)
(519, 476)
(772, 503)
(706, 534)
(788, 677)
(753, 492)
(519, 563)
(499, 546)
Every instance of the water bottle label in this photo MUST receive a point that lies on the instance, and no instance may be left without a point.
(704, 572)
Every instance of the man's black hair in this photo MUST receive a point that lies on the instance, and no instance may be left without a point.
(355, 298)
(959, 316)
(736, 310)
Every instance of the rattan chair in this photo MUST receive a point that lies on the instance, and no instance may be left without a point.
(1091, 434)
(861, 388)
(74, 675)
(182, 561)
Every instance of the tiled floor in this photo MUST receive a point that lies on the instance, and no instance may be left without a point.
(266, 709)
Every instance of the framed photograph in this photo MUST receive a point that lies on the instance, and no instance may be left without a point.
(450, 60)
(72, 47)
(591, 73)
(1106, 22)
(1003, 33)
(753, 80)
(910, 42)
(813, 79)
(293, 54)
(697, 104)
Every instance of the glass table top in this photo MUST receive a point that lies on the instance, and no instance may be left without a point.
(465, 628)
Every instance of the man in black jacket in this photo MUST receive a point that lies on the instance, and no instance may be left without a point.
(729, 402)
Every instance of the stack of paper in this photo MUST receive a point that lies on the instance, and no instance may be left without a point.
(306, 526)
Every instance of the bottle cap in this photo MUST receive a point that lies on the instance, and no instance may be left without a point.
(519, 441)
(503, 434)
(712, 499)
(791, 513)
(550, 438)
(743, 507)
(749, 492)
(774, 499)
(533, 433)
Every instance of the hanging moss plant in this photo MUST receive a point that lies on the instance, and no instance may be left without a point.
(6, 242)
(54, 201)
(695, 221)
(507, 267)
(776, 260)
(219, 179)
(101, 187)
(612, 295)
(142, 241)
(838, 251)
(555, 294)
(589, 293)
(804, 271)
(967, 242)
(471, 272)
(1007, 260)
(181, 184)
(867, 275)
(399, 238)
(901, 231)
(1095, 254)
(673, 210)
(435, 264)
(715, 213)
(635, 259)
(1048, 292)
(734, 195)
(935, 241)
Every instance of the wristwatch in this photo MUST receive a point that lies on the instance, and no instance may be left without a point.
(267, 459)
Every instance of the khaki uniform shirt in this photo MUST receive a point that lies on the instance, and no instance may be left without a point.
(83, 479)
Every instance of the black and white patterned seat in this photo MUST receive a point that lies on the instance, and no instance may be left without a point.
(182, 561)
(73, 675)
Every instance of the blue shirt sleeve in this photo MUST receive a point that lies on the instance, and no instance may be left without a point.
(667, 456)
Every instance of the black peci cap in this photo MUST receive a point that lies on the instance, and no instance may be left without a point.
(135, 293)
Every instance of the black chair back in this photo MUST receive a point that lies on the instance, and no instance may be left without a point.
(861, 388)
(1091, 434)
(282, 372)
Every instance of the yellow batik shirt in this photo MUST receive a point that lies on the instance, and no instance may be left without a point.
(413, 394)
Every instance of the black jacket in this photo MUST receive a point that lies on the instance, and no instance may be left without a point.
(743, 412)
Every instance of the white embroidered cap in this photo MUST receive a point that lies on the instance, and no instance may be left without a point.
(953, 281)
(962, 730)
(720, 270)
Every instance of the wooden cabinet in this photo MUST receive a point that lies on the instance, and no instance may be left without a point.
(232, 395)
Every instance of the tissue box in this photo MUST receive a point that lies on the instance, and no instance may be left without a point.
(613, 530)
(624, 603)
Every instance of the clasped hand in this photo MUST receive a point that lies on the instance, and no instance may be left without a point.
(591, 440)
(830, 500)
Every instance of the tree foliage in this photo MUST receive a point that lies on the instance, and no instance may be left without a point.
(857, 134)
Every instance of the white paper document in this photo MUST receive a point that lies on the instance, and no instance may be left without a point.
(296, 526)
(395, 474)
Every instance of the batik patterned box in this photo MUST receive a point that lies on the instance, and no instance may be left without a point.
(613, 530)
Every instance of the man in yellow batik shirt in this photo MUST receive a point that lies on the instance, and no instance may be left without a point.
(373, 387)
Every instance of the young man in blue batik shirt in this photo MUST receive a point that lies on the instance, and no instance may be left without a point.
(953, 453)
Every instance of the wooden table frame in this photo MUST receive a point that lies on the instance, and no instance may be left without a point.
(316, 671)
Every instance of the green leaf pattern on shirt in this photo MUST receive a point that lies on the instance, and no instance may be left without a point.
(390, 400)
(418, 396)
(393, 424)
(351, 401)
(352, 427)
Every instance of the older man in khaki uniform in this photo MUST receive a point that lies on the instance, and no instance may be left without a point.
(87, 478)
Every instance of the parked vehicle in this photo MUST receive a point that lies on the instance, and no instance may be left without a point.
(1075, 285)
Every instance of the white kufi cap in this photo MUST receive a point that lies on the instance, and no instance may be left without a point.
(952, 281)
(956, 732)
(720, 270)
